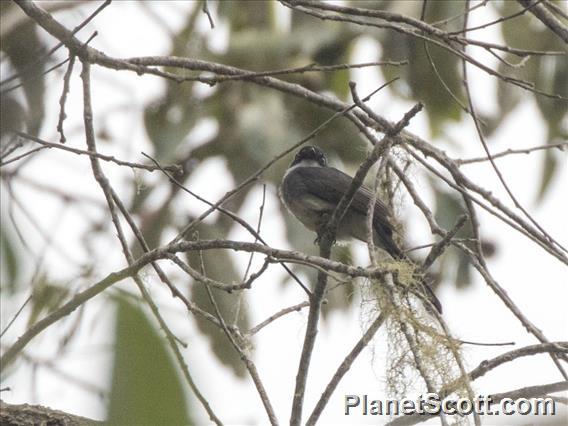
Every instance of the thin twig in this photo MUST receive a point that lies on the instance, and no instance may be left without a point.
(496, 21)
(306, 68)
(63, 98)
(260, 215)
(556, 9)
(485, 366)
(16, 315)
(478, 263)
(60, 44)
(529, 392)
(547, 18)
(440, 246)
(229, 288)
(488, 365)
(446, 21)
(259, 172)
(344, 368)
(561, 146)
(507, 215)
(228, 213)
(23, 155)
(112, 199)
(35, 77)
(205, 10)
(424, 32)
(108, 158)
(246, 360)
(282, 312)
(372, 202)
(483, 142)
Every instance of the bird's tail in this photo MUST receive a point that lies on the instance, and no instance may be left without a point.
(398, 254)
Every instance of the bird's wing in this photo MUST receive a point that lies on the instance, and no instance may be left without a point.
(316, 183)
(313, 184)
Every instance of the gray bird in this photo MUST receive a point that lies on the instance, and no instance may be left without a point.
(311, 191)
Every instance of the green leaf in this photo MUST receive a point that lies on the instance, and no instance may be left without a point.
(12, 116)
(169, 118)
(233, 306)
(429, 81)
(22, 46)
(46, 297)
(9, 260)
(550, 166)
(168, 121)
(551, 75)
(448, 208)
(245, 14)
(340, 298)
(146, 388)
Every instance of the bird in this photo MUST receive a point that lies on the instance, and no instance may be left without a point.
(311, 190)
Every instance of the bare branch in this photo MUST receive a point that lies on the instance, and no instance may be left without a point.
(423, 31)
(561, 146)
(108, 158)
(344, 368)
(63, 98)
(441, 245)
(482, 369)
(112, 201)
(230, 214)
(270, 319)
(496, 21)
(51, 51)
(486, 366)
(164, 253)
(206, 11)
(530, 391)
(13, 414)
(244, 357)
(546, 18)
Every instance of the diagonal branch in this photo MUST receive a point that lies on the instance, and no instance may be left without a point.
(344, 368)
(547, 18)
(112, 201)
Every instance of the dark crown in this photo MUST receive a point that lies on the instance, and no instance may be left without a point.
(312, 153)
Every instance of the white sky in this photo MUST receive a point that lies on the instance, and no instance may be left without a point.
(533, 279)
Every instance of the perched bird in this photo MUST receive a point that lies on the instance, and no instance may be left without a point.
(311, 190)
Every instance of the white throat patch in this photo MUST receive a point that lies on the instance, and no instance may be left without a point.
(303, 163)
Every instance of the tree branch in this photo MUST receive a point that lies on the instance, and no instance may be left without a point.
(25, 414)
(547, 18)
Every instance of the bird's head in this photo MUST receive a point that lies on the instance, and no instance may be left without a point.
(310, 156)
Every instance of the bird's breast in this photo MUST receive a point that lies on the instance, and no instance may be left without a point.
(305, 206)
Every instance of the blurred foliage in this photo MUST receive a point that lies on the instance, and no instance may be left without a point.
(449, 206)
(418, 80)
(146, 388)
(10, 261)
(255, 123)
(218, 265)
(549, 73)
(47, 296)
(23, 49)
